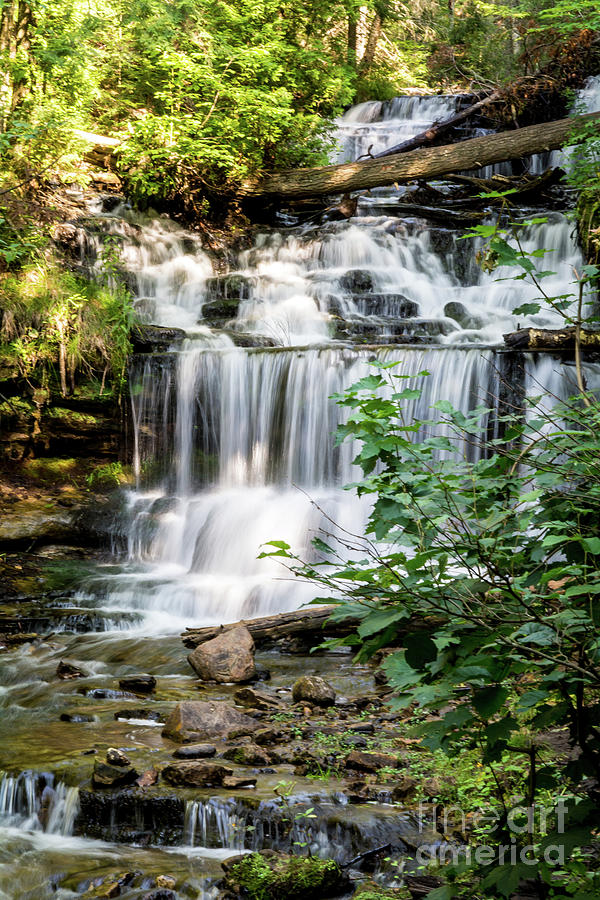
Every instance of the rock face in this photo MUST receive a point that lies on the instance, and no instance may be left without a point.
(195, 720)
(228, 657)
(191, 773)
(313, 689)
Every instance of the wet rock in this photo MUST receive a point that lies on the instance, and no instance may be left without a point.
(166, 881)
(66, 671)
(357, 281)
(115, 885)
(239, 781)
(196, 720)
(131, 815)
(247, 755)
(257, 699)
(149, 778)
(75, 717)
(155, 338)
(395, 306)
(139, 684)
(264, 737)
(280, 877)
(29, 522)
(195, 774)
(195, 751)
(160, 894)
(357, 741)
(459, 312)
(404, 789)
(370, 762)
(227, 658)
(229, 287)
(314, 689)
(106, 775)
(116, 757)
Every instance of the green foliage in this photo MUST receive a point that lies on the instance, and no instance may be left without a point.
(484, 567)
(54, 326)
(293, 878)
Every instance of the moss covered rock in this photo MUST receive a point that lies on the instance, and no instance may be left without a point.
(270, 876)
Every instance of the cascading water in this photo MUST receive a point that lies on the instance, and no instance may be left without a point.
(233, 442)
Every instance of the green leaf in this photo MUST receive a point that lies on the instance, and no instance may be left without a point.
(419, 649)
(489, 700)
(527, 309)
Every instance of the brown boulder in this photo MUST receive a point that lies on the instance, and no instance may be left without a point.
(371, 762)
(228, 657)
(257, 699)
(313, 689)
(192, 773)
(106, 775)
(247, 755)
(196, 720)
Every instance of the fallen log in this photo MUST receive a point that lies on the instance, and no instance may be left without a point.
(551, 339)
(437, 129)
(429, 163)
(309, 624)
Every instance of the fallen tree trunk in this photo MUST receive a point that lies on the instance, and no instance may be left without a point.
(429, 163)
(551, 339)
(309, 624)
(437, 129)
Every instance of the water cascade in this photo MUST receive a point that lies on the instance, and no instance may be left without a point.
(233, 445)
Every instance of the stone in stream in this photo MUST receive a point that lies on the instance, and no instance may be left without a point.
(247, 755)
(257, 699)
(227, 658)
(357, 281)
(66, 670)
(195, 751)
(105, 775)
(239, 781)
(285, 877)
(75, 717)
(371, 762)
(196, 720)
(190, 773)
(139, 684)
(116, 757)
(160, 894)
(313, 689)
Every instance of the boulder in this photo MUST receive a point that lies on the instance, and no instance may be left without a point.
(195, 751)
(313, 689)
(280, 877)
(154, 338)
(196, 720)
(115, 757)
(371, 762)
(191, 773)
(66, 670)
(247, 755)
(226, 658)
(106, 776)
(239, 781)
(357, 281)
(257, 699)
(139, 684)
(405, 789)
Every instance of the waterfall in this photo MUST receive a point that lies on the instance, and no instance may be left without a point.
(32, 801)
(233, 438)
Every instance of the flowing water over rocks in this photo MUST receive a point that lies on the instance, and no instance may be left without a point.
(233, 446)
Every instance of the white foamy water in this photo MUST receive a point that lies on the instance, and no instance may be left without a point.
(234, 446)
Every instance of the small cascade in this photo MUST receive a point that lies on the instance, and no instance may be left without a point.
(336, 831)
(32, 801)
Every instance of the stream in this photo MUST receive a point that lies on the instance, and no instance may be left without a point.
(232, 446)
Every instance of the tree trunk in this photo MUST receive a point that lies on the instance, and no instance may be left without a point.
(369, 54)
(551, 339)
(16, 19)
(352, 39)
(438, 128)
(429, 163)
